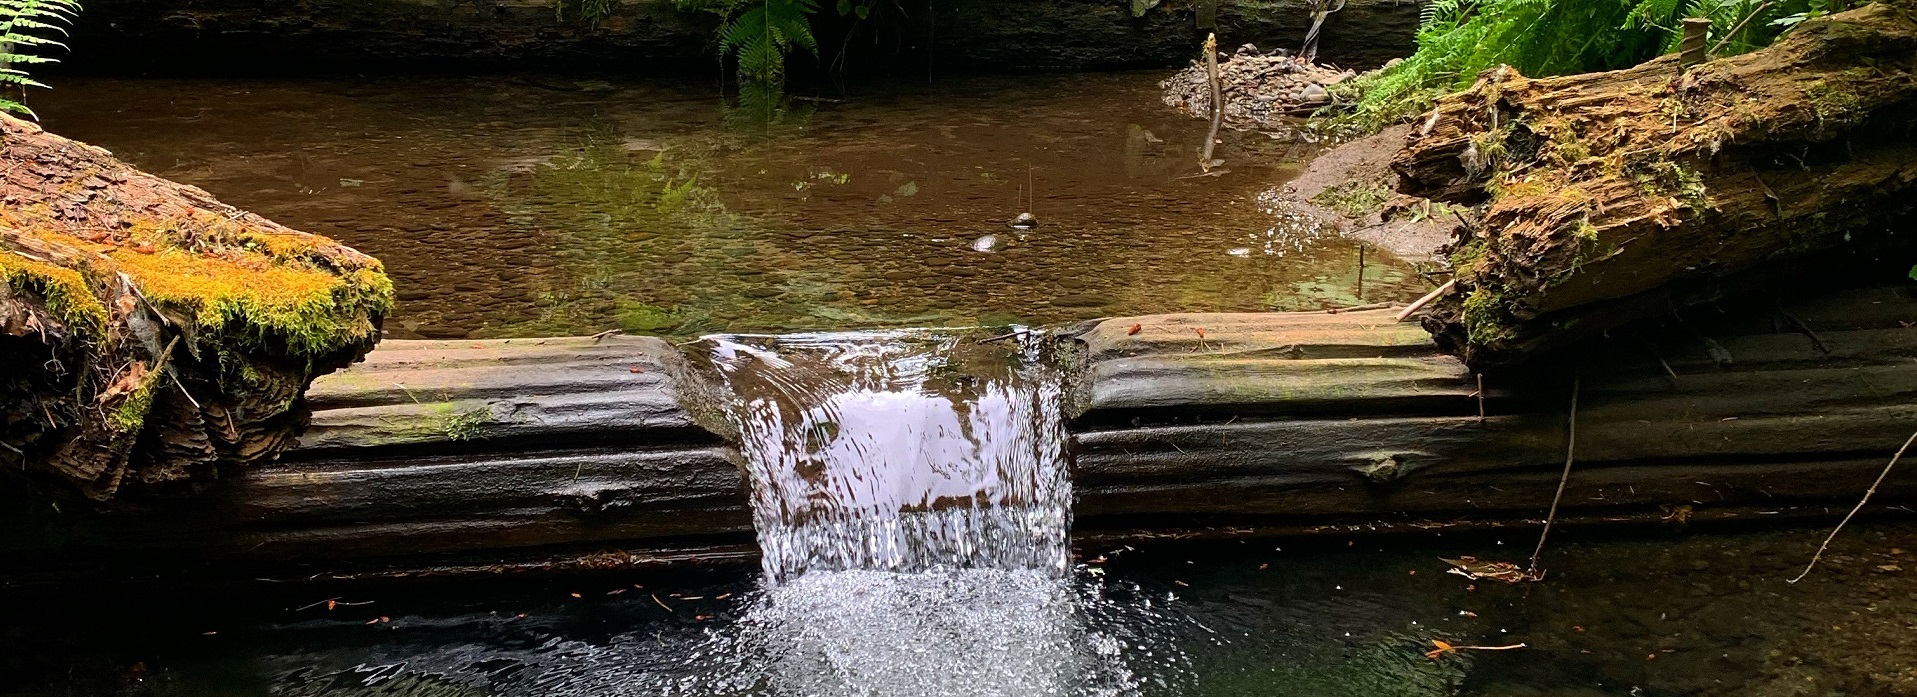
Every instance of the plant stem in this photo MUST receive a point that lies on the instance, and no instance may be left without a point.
(1570, 450)
(1854, 510)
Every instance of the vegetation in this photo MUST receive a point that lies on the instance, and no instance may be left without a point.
(1458, 39)
(759, 34)
(24, 29)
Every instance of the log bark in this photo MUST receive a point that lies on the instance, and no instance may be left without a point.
(544, 454)
(1613, 196)
(153, 335)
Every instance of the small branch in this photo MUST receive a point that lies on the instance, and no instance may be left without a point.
(1570, 450)
(999, 338)
(1419, 304)
(1816, 341)
(1217, 101)
(1853, 511)
(601, 335)
(1357, 308)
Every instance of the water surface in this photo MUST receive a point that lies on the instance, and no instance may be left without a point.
(525, 205)
(1657, 614)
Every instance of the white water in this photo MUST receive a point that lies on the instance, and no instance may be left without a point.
(912, 501)
(901, 451)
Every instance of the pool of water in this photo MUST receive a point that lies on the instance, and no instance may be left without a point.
(1661, 613)
(525, 205)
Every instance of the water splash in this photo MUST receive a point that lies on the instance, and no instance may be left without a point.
(899, 451)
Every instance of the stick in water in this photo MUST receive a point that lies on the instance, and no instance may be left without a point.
(1570, 450)
(1853, 511)
(1217, 100)
(1419, 304)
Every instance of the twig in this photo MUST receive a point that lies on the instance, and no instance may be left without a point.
(1217, 100)
(1356, 308)
(1853, 511)
(999, 338)
(1419, 304)
(606, 333)
(1570, 450)
(1755, 11)
(1480, 397)
(1816, 341)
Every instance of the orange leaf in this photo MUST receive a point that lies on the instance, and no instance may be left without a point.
(1136, 328)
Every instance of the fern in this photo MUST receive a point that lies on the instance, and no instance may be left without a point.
(760, 34)
(1457, 39)
(25, 26)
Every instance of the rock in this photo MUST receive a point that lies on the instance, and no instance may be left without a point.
(1313, 94)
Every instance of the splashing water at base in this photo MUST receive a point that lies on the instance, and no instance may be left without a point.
(913, 507)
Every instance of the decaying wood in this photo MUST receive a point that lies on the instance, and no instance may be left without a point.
(1609, 196)
(151, 334)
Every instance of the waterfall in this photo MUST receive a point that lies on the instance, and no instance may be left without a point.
(899, 451)
(912, 502)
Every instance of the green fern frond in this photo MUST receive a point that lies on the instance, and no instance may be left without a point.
(26, 28)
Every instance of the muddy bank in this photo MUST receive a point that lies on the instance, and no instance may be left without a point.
(653, 36)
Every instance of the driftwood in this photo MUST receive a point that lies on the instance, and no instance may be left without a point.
(151, 334)
(1614, 196)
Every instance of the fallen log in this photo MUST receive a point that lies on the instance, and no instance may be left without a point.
(154, 335)
(1614, 196)
(544, 454)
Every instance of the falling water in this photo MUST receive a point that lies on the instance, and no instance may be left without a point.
(900, 452)
(913, 506)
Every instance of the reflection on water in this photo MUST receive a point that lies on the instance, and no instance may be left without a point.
(900, 451)
(1658, 615)
(534, 205)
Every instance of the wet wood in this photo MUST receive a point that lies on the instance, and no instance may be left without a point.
(1784, 425)
(1206, 425)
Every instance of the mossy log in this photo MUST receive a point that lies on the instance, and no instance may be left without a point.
(1614, 196)
(152, 334)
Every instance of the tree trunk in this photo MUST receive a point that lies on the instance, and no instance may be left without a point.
(152, 334)
(1614, 196)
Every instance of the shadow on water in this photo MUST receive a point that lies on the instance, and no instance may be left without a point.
(1654, 614)
(514, 206)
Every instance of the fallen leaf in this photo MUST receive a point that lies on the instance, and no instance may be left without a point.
(1444, 647)
(635, 369)
(330, 604)
(1200, 330)
(1136, 328)
(574, 595)
(1474, 569)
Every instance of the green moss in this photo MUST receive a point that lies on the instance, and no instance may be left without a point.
(131, 414)
(1834, 104)
(65, 291)
(1483, 318)
(466, 425)
(1353, 199)
(640, 318)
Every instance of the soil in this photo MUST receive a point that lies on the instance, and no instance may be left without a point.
(1356, 178)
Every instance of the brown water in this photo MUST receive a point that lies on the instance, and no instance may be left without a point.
(511, 206)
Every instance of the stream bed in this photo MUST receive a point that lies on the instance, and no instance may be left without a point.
(527, 205)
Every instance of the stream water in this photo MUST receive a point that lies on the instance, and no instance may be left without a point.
(532, 205)
(910, 489)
